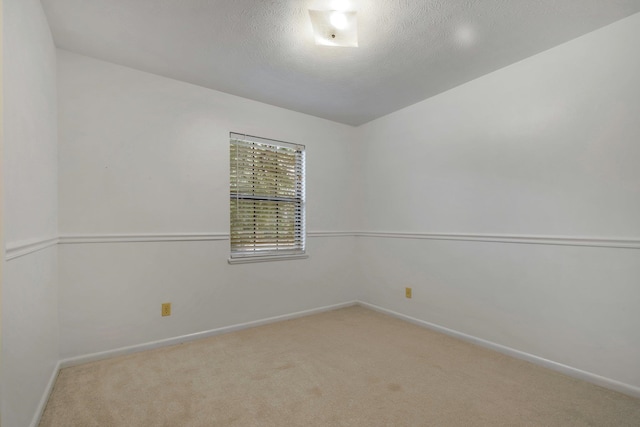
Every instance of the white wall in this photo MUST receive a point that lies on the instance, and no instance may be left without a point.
(143, 154)
(546, 147)
(29, 298)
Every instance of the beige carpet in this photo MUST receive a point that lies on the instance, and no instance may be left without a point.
(349, 367)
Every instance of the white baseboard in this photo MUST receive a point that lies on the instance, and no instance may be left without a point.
(568, 370)
(79, 360)
(45, 397)
(559, 367)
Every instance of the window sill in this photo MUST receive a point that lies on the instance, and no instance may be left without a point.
(252, 259)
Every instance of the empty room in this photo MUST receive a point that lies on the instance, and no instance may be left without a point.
(320, 213)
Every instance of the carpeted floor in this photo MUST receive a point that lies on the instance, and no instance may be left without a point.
(349, 367)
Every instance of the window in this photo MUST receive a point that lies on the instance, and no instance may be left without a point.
(266, 198)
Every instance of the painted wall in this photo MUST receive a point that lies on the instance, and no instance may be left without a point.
(2, 244)
(143, 154)
(30, 294)
(546, 147)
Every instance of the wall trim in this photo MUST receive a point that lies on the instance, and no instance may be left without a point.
(331, 233)
(33, 246)
(126, 238)
(79, 360)
(45, 396)
(512, 238)
(540, 361)
(14, 251)
(18, 250)
(568, 370)
(171, 237)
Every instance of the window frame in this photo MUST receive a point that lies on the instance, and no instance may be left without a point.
(298, 201)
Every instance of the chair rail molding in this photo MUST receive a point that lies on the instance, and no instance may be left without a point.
(19, 249)
(602, 242)
(134, 237)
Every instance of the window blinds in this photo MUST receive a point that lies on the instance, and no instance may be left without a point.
(266, 197)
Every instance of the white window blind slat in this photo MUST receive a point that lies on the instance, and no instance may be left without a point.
(267, 197)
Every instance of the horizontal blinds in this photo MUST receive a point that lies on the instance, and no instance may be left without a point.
(266, 197)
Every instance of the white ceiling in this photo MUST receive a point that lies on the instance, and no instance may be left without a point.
(408, 50)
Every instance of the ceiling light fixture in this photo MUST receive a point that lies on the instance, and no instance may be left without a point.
(334, 28)
(338, 20)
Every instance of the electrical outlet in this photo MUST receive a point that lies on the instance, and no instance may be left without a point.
(407, 292)
(166, 309)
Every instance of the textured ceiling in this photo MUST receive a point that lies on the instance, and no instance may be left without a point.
(264, 49)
